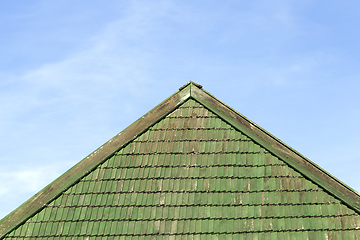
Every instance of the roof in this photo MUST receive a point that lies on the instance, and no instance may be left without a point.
(192, 167)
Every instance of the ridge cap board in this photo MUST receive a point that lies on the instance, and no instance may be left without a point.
(190, 83)
(41, 199)
(303, 165)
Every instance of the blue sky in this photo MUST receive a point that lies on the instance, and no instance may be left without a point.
(75, 73)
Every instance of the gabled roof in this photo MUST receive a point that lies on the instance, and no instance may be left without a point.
(192, 166)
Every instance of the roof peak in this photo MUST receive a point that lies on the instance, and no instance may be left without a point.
(190, 83)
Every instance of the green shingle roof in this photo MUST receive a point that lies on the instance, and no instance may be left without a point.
(191, 168)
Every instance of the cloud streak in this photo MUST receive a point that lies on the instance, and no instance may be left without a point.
(20, 183)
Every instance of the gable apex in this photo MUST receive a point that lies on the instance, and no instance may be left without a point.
(190, 83)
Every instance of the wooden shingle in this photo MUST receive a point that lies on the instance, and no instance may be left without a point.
(191, 168)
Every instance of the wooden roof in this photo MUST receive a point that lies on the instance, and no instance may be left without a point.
(190, 168)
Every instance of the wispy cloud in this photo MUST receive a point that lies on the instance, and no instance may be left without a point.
(26, 180)
(20, 183)
(115, 64)
(54, 108)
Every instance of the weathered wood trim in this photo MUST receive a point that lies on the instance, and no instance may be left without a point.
(73, 175)
(306, 167)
